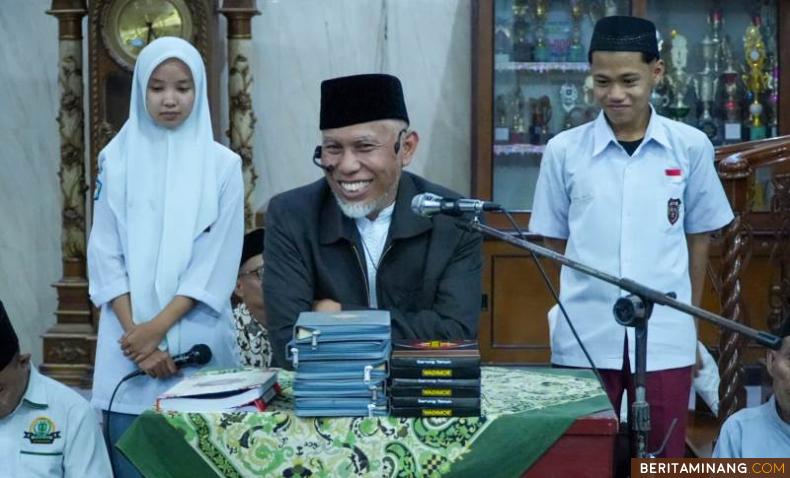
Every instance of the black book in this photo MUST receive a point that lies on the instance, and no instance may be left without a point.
(435, 412)
(435, 370)
(435, 354)
(435, 402)
(414, 361)
(435, 347)
(434, 387)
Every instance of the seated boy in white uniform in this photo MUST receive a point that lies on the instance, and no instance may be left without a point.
(764, 431)
(46, 429)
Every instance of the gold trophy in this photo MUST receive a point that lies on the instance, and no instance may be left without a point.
(541, 115)
(522, 50)
(756, 79)
(678, 81)
(501, 130)
(576, 50)
(732, 109)
(519, 132)
(541, 51)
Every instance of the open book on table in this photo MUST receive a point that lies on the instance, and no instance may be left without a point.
(215, 390)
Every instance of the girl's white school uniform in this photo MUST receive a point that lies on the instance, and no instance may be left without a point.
(168, 220)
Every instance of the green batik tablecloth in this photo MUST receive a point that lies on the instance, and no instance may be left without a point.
(525, 410)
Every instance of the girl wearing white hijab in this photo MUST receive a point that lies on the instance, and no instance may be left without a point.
(167, 234)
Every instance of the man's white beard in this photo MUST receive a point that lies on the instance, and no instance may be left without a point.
(356, 210)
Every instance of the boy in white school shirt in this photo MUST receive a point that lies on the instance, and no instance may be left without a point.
(636, 195)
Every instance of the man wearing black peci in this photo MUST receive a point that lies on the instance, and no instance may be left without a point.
(350, 240)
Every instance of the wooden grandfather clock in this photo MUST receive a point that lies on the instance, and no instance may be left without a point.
(117, 31)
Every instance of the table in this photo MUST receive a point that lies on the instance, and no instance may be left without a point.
(550, 418)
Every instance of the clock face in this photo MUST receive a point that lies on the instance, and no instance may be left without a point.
(132, 24)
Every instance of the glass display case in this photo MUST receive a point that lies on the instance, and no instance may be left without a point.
(541, 85)
(532, 77)
(722, 72)
(530, 82)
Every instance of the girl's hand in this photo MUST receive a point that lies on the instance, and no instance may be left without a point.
(141, 341)
(159, 364)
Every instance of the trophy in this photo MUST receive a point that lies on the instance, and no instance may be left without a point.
(541, 115)
(502, 44)
(755, 79)
(576, 50)
(519, 131)
(769, 29)
(659, 97)
(501, 130)
(732, 109)
(541, 52)
(715, 20)
(599, 9)
(773, 97)
(589, 107)
(610, 7)
(588, 97)
(678, 81)
(705, 86)
(522, 50)
(574, 115)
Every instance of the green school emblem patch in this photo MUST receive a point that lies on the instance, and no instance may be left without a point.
(42, 431)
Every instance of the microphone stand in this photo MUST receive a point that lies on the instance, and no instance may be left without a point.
(634, 311)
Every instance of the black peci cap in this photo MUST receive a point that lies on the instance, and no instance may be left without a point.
(621, 33)
(9, 343)
(253, 245)
(350, 100)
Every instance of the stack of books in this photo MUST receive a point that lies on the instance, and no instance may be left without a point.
(246, 389)
(340, 361)
(435, 378)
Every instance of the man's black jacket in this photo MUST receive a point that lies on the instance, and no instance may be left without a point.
(428, 277)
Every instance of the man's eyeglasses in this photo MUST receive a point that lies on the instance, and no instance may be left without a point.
(258, 272)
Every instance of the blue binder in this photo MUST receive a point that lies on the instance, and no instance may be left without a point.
(341, 362)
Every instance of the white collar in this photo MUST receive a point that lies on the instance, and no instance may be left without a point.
(603, 135)
(384, 216)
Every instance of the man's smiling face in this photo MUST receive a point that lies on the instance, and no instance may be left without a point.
(365, 168)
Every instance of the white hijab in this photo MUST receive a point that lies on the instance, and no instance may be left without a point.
(164, 190)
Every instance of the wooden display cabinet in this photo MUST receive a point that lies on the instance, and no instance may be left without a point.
(529, 70)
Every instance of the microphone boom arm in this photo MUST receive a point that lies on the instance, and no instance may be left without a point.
(646, 293)
(634, 311)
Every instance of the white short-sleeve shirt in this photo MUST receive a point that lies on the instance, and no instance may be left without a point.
(757, 432)
(53, 432)
(627, 216)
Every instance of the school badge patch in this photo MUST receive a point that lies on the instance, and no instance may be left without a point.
(673, 210)
(42, 431)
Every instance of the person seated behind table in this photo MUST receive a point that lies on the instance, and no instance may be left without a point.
(46, 428)
(351, 241)
(764, 431)
(249, 314)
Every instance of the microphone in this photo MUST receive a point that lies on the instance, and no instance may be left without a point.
(317, 160)
(199, 354)
(428, 204)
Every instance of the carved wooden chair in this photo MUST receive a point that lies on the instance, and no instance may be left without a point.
(756, 178)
